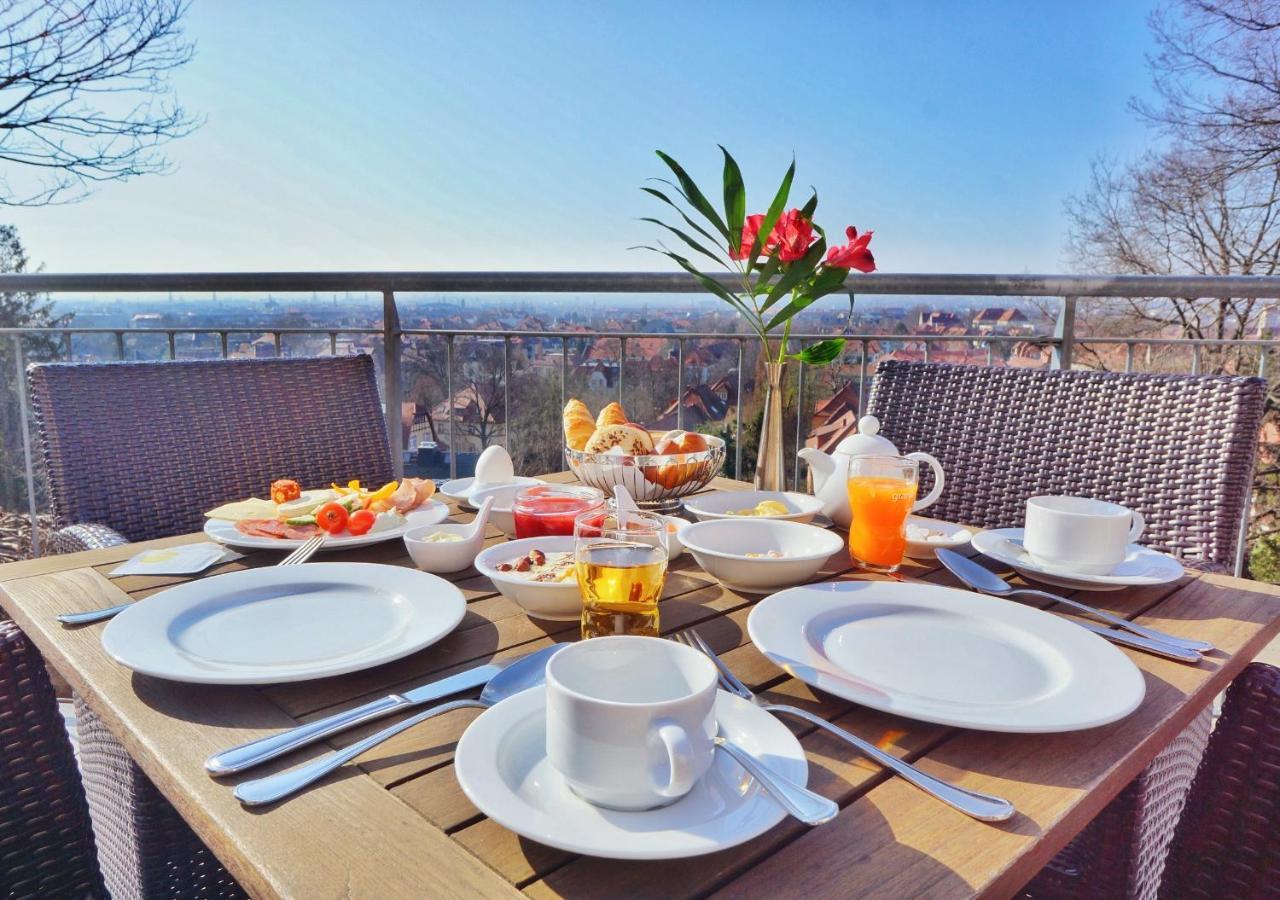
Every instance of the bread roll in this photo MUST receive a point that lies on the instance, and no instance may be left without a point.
(633, 441)
(578, 424)
(611, 415)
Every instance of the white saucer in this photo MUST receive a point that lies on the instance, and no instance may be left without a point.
(942, 655)
(951, 537)
(1141, 565)
(501, 763)
(459, 489)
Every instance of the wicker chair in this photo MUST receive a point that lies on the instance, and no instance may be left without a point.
(139, 450)
(46, 841)
(1180, 449)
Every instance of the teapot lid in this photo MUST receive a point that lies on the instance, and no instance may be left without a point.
(867, 441)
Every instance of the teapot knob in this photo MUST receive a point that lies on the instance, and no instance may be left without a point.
(869, 425)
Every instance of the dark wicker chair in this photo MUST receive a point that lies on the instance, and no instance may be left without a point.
(139, 450)
(1178, 448)
(46, 841)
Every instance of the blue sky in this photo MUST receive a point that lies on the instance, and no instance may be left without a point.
(514, 135)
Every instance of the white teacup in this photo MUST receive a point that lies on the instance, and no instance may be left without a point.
(630, 720)
(1079, 534)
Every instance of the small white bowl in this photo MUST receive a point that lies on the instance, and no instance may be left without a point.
(446, 556)
(947, 535)
(460, 489)
(555, 600)
(721, 504)
(674, 545)
(721, 546)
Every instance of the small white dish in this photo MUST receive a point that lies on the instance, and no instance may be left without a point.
(226, 533)
(723, 504)
(501, 764)
(721, 546)
(937, 534)
(1141, 565)
(948, 656)
(459, 489)
(284, 623)
(676, 528)
(558, 601)
(443, 556)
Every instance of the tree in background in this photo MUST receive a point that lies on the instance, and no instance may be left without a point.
(1207, 203)
(85, 95)
(19, 309)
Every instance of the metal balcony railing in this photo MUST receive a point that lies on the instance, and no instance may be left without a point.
(1062, 342)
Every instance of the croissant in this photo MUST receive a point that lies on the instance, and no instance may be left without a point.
(611, 415)
(578, 424)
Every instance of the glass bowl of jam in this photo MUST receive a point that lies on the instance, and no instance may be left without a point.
(549, 509)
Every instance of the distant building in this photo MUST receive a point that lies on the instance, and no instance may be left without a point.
(939, 319)
(701, 405)
(1001, 320)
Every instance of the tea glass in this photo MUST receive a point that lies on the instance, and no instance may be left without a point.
(882, 493)
(540, 510)
(621, 559)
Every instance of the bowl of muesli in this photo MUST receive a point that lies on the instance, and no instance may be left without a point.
(537, 574)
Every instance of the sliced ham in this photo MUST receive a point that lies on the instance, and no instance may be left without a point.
(274, 528)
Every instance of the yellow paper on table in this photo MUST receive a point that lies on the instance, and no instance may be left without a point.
(253, 508)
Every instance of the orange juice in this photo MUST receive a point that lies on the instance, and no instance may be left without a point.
(878, 534)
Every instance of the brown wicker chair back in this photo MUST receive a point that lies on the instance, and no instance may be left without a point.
(46, 842)
(1178, 448)
(146, 448)
(1228, 839)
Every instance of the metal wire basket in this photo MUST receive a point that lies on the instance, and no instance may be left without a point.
(656, 482)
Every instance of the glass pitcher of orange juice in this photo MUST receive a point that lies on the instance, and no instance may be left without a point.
(882, 492)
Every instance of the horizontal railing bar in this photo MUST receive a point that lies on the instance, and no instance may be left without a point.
(1182, 286)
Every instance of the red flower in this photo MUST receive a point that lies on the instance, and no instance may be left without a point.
(750, 229)
(793, 234)
(855, 254)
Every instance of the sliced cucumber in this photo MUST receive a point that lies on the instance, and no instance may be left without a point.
(301, 520)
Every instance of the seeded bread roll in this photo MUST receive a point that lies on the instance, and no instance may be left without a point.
(632, 440)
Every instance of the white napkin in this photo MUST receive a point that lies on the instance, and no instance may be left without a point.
(185, 560)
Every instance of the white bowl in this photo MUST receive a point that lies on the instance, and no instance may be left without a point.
(442, 557)
(947, 535)
(721, 504)
(721, 546)
(675, 546)
(555, 600)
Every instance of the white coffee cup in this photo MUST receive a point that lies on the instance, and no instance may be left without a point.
(1080, 534)
(630, 720)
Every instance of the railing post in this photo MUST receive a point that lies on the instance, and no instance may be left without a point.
(737, 418)
(120, 345)
(391, 353)
(622, 366)
(680, 383)
(862, 380)
(20, 385)
(1064, 334)
(795, 476)
(448, 404)
(506, 392)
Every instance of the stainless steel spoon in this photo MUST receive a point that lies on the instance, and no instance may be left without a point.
(804, 804)
(529, 672)
(982, 579)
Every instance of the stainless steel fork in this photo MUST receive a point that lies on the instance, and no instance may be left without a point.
(980, 806)
(304, 552)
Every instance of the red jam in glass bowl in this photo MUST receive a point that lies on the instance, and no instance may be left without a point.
(549, 509)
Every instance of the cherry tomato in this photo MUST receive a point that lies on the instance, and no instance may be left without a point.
(360, 521)
(332, 518)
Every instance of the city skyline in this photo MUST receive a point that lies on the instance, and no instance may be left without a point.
(403, 137)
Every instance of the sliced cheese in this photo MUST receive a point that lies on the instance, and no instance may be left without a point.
(253, 508)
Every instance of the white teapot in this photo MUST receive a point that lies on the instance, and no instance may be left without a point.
(831, 470)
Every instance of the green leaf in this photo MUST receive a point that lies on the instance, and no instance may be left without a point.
(709, 283)
(688, 240)
(820, 354)
(811, 207)
(695, 197)
(767, 271)
(799, 270)
(828, 281)
(771, 217)
(692, 224)
(735, 199)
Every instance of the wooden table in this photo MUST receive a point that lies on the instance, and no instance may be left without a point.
(398, 825)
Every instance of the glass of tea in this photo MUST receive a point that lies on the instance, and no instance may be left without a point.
(882, 491)
(549, 509)
(621, 559)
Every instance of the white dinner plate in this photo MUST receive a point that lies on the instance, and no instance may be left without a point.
(284, 623)
(501, 763)
(225, 532)
(943, 655)
(1141, 566)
